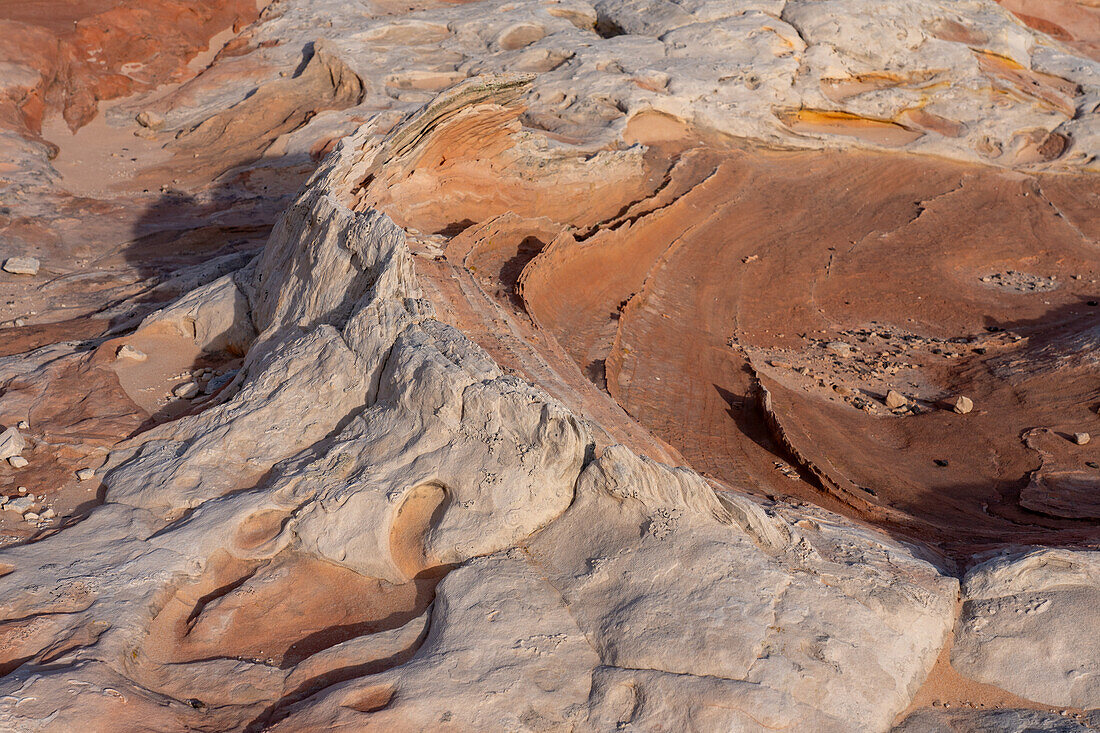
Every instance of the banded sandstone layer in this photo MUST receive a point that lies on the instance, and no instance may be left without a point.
(556, 398)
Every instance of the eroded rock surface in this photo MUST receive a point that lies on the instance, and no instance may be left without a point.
(1047, 598)
(361, 434)
(597, 371)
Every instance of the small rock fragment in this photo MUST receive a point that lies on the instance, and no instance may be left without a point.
(186, 391)
(85, 474)
(30, 517)
(129, 352)
(18, 462)
(49, 514)
(963, 405)
(11, 443)
(840, 348)
(22, 489)
(150, 119)
(21, 265)
(1081, 438)
(20, 505)
(895, 399)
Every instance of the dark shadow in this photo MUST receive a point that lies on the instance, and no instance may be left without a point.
(512, 268)
(596, 372)
(746, 413)
(185, 239)
(181, 231)
(455, 227)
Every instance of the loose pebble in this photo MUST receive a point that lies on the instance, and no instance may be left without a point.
(20, 505)
(895, 399)
(186, 391)
(18, 462)
(963, 405)
(150, 119)
(129, 352)
(85, 474)
(11, 443)
(1081, 438)
(21, 265)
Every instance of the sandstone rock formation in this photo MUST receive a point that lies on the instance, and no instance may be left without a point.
(1047, 599)
(599, 370)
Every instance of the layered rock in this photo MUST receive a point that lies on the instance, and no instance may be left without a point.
(363, 439)
(403, 476)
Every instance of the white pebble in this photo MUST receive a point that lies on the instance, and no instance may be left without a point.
(129, 352)
(963, 405)
(186, 391)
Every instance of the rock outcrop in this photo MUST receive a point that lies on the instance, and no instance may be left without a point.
(364, 436)
(600, 369)
(1045, 599)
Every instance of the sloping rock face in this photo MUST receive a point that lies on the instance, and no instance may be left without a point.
(992, 721)
(1046, 598)
(598, 376)
(364, 449)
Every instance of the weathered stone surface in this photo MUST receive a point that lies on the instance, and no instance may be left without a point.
(364, 433)
(989, 721)
(21, 265)
(364, 519)
(214, 316)
(1048, 600)
(497, 626)
(12, 443)
(849, 652)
